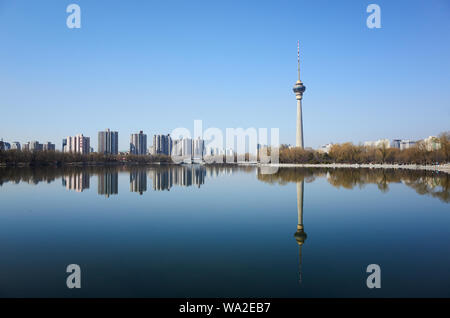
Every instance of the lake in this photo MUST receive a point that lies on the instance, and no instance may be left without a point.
(223, 231)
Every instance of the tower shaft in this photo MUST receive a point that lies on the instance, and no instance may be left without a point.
(299, 89)
(300, 187)
(299, 135)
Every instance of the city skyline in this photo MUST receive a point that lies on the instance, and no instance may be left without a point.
(359, 80)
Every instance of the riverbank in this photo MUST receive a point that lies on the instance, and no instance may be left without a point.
(441, 168)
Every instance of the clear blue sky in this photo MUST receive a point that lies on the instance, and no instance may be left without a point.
(158, 65)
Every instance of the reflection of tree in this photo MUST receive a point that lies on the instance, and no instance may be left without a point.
(423, 182)
(287, 175)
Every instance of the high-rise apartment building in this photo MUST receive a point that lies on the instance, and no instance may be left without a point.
(138, 144)
(15, 145)
(162, 145)
(108, 142)
(35, 146)
(186, 148)
(48, 146)
(64, 143)
(78, 144)
(6, 145)
(198, 149)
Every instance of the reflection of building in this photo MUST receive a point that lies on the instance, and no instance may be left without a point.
(300, 235)
(108, 142)
(181, 176)
(108, 183)
(77, 181)
(138, 181)
(138, 144)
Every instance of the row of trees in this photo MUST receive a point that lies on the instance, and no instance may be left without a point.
(17, 157)
(350, 153)
(339, 153)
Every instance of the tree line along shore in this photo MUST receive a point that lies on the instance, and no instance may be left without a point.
(346, 153)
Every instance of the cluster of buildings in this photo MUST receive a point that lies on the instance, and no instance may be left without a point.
(430, 143)
(191, 150)
(29, 146)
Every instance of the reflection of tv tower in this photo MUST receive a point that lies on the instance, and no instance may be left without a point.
(300, 235)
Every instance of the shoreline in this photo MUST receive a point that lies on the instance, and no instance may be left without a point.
(437, 168)
(441, 168)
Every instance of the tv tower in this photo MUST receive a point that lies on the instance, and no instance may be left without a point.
(299, 89)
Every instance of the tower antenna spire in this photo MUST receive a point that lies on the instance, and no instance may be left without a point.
(298, 58)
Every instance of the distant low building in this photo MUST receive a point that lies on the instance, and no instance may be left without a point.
(214, 151)
(190, 150)
(229, 152)
(325, 148)
(381, 143)
(396, 143)
(432, 143)
(406, 144)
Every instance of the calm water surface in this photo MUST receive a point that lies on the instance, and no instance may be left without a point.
(220, 231)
